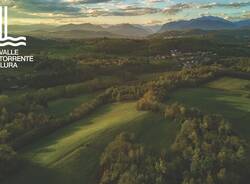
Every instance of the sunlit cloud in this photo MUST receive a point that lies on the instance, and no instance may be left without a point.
(123, 10)
(177, 8)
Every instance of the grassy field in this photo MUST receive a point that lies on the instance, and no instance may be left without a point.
(228, 83)
(226, 96)
(64, 106)
(71, 155)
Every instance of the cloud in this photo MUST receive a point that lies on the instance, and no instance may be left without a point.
(154, 22)
(245, 15)
(172, 10)
(54, 6)
(225, 5)
(177, 8)
(134, 11)
(123, 11)
(156, 1)
(7, 2)
(60, 10)
(86, 1)
(46, 6)
(53, 9)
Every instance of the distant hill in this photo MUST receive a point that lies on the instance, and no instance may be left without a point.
(205, 23)
(72, 34)
(153, 28)
(128, 30)
(80, 27)
(78, 31)
(243, 24)
(88, 30)
(27, 28)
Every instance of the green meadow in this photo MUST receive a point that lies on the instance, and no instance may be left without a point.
(231, 84)
(63, 106)
(60, 156)
(226, 96)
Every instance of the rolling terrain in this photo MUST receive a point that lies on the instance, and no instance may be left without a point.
(60, 156)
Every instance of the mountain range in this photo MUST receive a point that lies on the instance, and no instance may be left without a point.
(88, 30)
(205, 23)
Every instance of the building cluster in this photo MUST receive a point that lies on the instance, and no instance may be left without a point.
(188, 59)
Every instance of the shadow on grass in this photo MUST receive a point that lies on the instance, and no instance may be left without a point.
(42, 144)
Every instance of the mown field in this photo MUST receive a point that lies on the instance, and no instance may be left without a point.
(71, 155)
(226, 96)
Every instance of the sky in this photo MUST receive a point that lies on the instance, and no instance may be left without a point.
(149, 12)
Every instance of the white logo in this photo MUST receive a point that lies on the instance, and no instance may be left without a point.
(6, 40)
